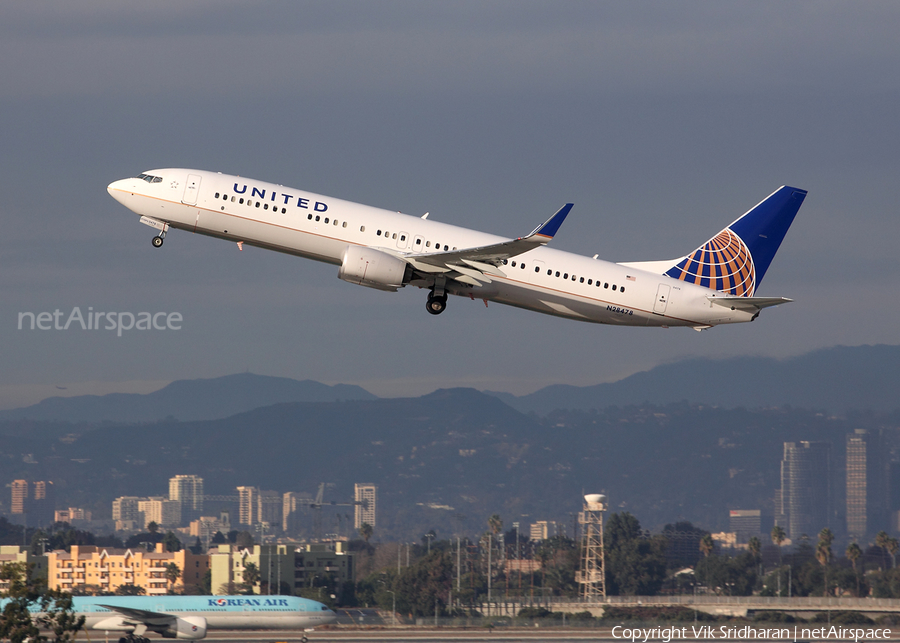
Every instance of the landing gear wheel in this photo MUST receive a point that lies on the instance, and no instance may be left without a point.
(436, 305)
(157, 242)
(303, 639)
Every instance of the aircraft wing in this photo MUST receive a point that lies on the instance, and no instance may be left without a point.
(748, 303)
(143, 616)
(469, 264)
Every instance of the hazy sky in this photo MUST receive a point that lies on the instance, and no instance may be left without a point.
(662, 122)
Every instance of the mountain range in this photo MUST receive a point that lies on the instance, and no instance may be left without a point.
(835, 379)
(187, 400)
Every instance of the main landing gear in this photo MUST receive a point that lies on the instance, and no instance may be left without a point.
(437, 299)
(436, 305)
(131, 638)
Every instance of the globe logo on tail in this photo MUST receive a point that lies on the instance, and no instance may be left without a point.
(723, 263)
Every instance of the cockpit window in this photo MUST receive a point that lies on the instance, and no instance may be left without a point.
(149, 178)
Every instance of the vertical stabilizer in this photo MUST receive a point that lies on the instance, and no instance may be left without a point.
(736, 260)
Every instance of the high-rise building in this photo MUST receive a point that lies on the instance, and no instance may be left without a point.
(248, 505)
(269, 509)
(36, 501)
(364, 493)
(867, 485)
(188, 490)
(165, 513)
(806, 488)
(20, 496)
(125, 508)
(294, 505)
(745, 523)
(542, 530)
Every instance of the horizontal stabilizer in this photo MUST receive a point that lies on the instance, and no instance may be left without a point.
(748, 303)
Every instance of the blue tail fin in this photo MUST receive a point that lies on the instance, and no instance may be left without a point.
(736, 260)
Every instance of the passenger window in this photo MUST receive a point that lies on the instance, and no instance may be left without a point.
(326, 219)
(522, 266)
(418, 242)
(505, 261)
(225, 197)
(265, 207)
(317, 217)
(550, 273)
(537, 268)
(217, 195)
(565, 275)
(446, 247)
(283, 211)
(622, 289)
(335, 222)
(581, 281)
(362, 228)
(513, 264)
(590, 282)
(344, 225)
(402, 237)
(573, 277)
(606, 285)
(309, 216)
(232, 200)
(427, 244)
(378, 233)
(614, 286)
(241, 201)
(557, 273)
(394, 236)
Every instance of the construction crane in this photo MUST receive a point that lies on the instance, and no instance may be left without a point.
(317, 504)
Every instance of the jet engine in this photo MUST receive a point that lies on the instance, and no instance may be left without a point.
(191, 628)
(373, 269)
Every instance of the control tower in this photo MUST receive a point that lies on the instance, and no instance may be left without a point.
(592, 575)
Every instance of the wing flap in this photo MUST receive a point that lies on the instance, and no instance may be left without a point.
(486, 259)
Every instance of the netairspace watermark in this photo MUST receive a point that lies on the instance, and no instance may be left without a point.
(748, 632)
(91, 320)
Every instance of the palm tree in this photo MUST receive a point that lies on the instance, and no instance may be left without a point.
(823, 553)
(365, 531)
(854, 553)
(778, 537)
(251, 577)
(881, 540)
(754, 546)
(707, 545)
(892, 547)
(172, 573)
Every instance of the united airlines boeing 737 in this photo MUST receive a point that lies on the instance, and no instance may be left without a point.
(715, 284)
(189, 617)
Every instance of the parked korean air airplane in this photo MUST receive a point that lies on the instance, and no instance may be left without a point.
(190, 617)
(715, 284)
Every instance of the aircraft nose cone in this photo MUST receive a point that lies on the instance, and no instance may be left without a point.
(120, 190)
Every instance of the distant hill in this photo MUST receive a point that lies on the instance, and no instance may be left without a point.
(187, 400)
(834, 379)
(447, 460)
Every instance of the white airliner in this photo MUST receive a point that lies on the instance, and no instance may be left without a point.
(189, 617)
(715, 284)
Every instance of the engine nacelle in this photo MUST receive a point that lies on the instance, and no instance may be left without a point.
(373, 269)
(191, 628)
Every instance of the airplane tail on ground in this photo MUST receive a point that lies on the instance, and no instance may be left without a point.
(736, 260)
